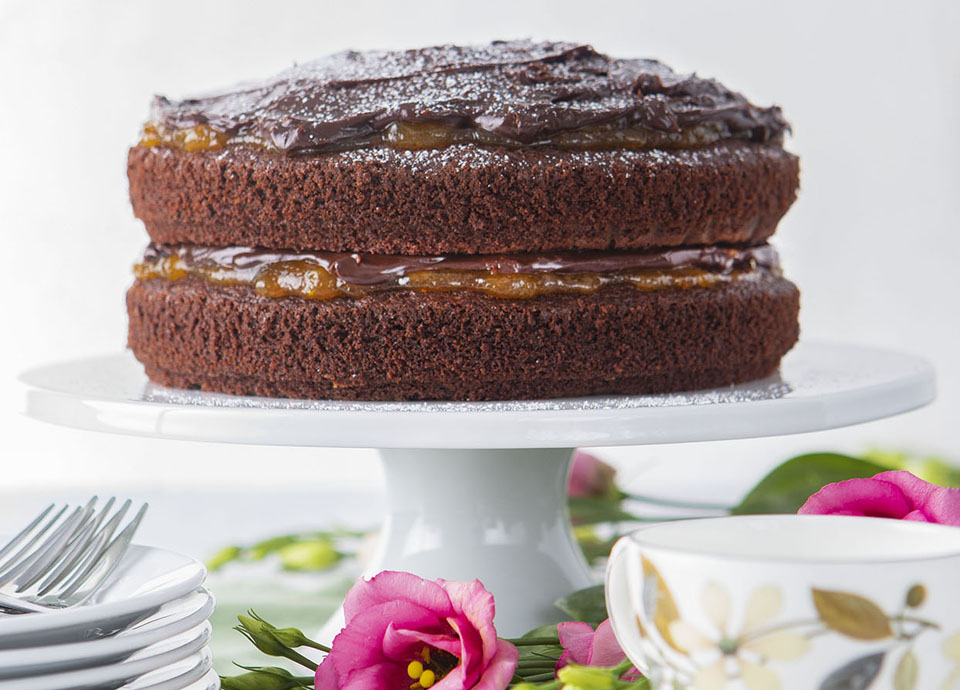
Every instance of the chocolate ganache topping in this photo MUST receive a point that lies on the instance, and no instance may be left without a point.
(522, 92)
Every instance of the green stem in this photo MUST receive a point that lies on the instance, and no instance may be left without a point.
(533, 641)
(299, 658)
(675, 503)
(540, 678)
(316, 645)
(555, 685)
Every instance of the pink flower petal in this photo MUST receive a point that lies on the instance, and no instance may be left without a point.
(392, 586)
(471, 657)
(575, 638)
(605, 650)
(937, 503)
(476, 604)
(362, 640)
(380, 677)
(896, 494)
(405, 644)
(589, 476)
(501, 668)
(588, 647)
(858, 497)
(326, 678)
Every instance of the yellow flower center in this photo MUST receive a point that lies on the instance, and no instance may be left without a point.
(431, 665)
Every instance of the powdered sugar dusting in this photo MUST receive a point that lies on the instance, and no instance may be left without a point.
(523, 91)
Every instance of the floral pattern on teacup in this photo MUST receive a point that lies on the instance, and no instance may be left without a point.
(713, 659)
(723, 655)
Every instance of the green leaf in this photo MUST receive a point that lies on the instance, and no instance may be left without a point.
(223, 556)
(852, 615)
(788, 486)
(594, 548)
(931, 468)
(587, 605)
(262, 549)
(905, 677)
(265, 678)
(537, 659)
(543, 631)
(590, 510)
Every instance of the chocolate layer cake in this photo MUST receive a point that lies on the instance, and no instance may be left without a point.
(516, 220)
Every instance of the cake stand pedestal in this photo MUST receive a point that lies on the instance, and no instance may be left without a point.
(476, 490)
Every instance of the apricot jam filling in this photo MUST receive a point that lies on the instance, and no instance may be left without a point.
(427, 135)
(329, 275)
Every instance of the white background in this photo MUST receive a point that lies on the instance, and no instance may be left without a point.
(872, 89)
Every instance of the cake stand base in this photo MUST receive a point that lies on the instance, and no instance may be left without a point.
(498, 516)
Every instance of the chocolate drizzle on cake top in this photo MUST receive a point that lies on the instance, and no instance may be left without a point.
(523, 91)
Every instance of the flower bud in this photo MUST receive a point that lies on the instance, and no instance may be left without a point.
(590, 476)
(291, 637)
(312, 556)
(586, 678)
(260, 633)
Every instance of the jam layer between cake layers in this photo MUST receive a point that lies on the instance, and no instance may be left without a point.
(325, 275)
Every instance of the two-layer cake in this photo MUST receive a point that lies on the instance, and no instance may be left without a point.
(516, 220)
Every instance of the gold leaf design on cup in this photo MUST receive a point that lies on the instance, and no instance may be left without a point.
(852, 615)
(658, 602)
(951, 650)
(905, 675)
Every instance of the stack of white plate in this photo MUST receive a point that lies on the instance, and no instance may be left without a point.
(146, 629)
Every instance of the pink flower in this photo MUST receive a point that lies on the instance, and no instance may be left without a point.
(585, 646)
(590, 476)
(899, 495)
(406, 632)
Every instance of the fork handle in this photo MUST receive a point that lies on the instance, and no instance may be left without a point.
(15, 604)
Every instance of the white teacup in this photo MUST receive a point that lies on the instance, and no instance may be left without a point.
(789, 602)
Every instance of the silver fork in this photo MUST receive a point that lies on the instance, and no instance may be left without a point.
(61, 561)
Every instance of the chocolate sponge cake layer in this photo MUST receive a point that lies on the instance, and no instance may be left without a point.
(463, 198)
(460, 345)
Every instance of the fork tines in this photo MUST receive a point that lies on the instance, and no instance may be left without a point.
(64, 554)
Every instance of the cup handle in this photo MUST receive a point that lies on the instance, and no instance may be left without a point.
(620, 604)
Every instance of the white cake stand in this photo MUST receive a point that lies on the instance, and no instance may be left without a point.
(476, 490)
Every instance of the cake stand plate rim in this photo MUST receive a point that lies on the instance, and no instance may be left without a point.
(820, 386)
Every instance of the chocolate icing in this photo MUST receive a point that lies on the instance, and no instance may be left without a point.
(378, 269)
(522, 90)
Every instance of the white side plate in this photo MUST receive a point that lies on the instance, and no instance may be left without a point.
(178, 648)
(171, 619)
